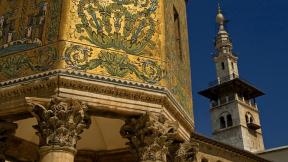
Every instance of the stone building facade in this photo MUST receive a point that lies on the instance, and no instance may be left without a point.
(99, 81)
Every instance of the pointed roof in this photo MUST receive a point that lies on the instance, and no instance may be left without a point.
(222, 39)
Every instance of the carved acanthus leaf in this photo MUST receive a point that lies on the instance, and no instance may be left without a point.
(60, 122)
(187, 152)
(149, 136)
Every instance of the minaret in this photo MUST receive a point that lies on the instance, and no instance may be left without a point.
(234, 112)
(226, 62)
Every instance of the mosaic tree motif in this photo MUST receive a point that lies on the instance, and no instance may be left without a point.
(127, 25)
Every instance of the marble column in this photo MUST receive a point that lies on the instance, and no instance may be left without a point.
(149, 136)
(60, 122)
(7, 130)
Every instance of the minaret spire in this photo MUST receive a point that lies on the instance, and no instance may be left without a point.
(226, 62)
(223, 43)
(220, 19)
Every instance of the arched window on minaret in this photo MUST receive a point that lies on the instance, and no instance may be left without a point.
(222, 122)
(249, 118)
(225, 120)
(229, 120)
(223, 65)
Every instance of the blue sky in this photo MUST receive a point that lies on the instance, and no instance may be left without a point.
(259, 30)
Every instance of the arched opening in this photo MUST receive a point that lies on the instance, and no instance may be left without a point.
(222, 122)
(223, 65)
(229, 120)
(225, 120)
(204, 160)
(249, 118)
(251, 124)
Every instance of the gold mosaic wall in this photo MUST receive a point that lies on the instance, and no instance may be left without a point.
(126, 39)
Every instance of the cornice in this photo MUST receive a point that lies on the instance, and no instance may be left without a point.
(49, 84)
(77, 74)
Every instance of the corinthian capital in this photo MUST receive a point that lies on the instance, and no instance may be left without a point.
(60, 121)
(7, 130)
(149, 136)
(187, 152)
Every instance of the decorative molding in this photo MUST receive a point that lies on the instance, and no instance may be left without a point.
(7, 130)
(149, 136)
(187, 152)
(60, 122)
(78, 74)
(50, 82)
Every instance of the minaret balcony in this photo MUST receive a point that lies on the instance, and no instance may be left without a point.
(230, 99)
(223, 80)
(228, 54)
(220, 89)
(253, 126)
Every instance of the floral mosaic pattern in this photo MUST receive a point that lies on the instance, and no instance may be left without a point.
(16, 66)
(127, 25)
(119, 65)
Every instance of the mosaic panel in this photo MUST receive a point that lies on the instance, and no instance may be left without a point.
(26, 24)
(113, 64)
(127, 26)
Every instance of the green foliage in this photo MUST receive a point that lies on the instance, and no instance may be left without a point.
(104, 28)
(118, 65)
(14, 66)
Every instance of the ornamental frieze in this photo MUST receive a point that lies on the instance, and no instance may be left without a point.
(27, 63)
(113, 64)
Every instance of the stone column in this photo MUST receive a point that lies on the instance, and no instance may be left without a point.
(60, 122)
(149, 136)
(187, 152)
(7, 130)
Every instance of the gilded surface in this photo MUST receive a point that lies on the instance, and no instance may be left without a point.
(28, 24)
(113, 64)
(27, 63)
(122, 39)
(126, 39)
(178, 64)
(127, 26)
